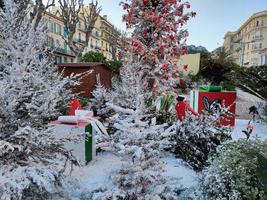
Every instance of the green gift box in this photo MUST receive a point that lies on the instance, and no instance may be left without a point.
(210, 88)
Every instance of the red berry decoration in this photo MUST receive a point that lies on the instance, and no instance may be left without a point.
(185, 67)
(157, 36)
(164, 66)
(135, 44)
(145, 2)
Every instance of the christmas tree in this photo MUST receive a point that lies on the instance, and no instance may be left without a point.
(157, 37)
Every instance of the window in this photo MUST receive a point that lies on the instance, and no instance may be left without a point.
(58, 44)
(65, 47)
(65, 59)
(102, 43)
(92, 45)
(96, 33)
(54, 27)
(265, 59)
(50, 26)
(79, 36)
(65, 32)
(257, 23)
(58, 29)
(58, 59)
(260, 45)
(248, 46)
(71, 60)
(50, 42)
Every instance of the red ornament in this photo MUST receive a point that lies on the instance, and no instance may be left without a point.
(74, 105)
(164, 77)
(164, 66)
(145, 2)
(135, 44)
(185, 67)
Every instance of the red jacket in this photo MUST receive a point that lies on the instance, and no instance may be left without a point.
(181, 108)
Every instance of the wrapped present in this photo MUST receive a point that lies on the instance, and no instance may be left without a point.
(206, 100)
(210, 88)
(82, 123)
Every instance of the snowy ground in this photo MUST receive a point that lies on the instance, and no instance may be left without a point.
(98, 172)
(259, 130)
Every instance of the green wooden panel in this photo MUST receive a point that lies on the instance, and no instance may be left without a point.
(88, 144)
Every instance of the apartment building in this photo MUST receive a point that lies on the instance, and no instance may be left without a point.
(100, 39)
(248, 45)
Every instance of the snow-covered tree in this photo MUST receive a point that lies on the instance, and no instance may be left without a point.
(232, 173)
(32, 161)
(198, 137)
(124, 93)
(157, 37)
(142, 177)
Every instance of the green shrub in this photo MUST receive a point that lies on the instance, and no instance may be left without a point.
(115, 65)
(234, 173)
(92, 56)
(162, 107)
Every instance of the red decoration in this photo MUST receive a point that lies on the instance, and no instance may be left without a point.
(74, 105)
(145, 2)
(185, 67)
(164, 66)
(227, 98)
(156, 34)
(135, 44)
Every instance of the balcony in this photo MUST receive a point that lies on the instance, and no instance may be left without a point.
(64, 51)
(257, 37)
(237, 39)
(60, 51)
(76, 40)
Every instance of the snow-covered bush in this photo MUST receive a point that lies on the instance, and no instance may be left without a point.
(198, 136)
(232, 173)
(124, 92)
(141, 178)
(101, 95)
(32, 161)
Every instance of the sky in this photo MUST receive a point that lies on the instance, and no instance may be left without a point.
(214, 18)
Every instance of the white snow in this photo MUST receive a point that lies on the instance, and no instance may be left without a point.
(259, 130)
(179, 169)
(98, 172)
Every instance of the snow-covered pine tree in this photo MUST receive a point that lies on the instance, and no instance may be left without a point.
(142, 177)
(198, 137)
(157, 38)
(101, 95)
(32, 161)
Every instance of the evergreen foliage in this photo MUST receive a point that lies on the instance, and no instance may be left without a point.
(232, 173)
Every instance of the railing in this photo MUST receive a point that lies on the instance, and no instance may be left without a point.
(79, 41)
(257, 37)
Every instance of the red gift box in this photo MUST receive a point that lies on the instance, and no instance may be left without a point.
(202, 101)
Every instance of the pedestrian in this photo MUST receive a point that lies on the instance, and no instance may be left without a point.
(249, 129)
(182, 107)
(254, 111)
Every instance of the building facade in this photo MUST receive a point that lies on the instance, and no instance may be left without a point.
(248, 44)
(101, 39)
